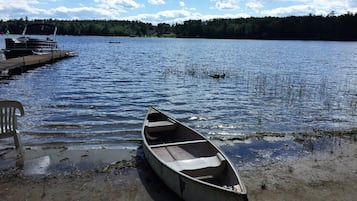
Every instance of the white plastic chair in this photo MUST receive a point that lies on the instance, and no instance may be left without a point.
(8, 120)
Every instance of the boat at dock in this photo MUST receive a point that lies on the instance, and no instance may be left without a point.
(36, 39)
(187, 162)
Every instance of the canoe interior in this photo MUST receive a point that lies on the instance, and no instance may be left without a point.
(175, 133)
(187, 152)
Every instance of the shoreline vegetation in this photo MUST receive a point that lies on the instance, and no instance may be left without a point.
(311, 27)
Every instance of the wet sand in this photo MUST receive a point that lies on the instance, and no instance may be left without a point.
(59, 173)
(325, 176)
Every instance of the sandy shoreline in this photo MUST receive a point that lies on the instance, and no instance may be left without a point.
(324, 176)
(123, 174)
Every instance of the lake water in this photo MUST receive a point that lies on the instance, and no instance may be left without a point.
(101, 96)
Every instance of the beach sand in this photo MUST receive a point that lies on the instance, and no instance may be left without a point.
(62, 173)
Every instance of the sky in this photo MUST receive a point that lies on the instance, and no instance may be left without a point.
(168, 11)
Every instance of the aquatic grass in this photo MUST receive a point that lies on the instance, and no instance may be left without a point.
(275, 97)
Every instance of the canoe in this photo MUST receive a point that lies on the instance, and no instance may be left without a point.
(187, 162)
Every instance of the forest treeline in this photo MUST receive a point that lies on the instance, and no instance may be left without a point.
(343, 27)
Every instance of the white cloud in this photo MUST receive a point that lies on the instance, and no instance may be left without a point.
(326, 6)
(291, 10)
(169, 16)
(75, 13)
(108, 9)
(120, 9)
(254, 5)
(118, 4)
(305, 7)
(156, 2)
(21, 9)
(226, 4)
(21, 4)
(225, 16)
(179, 16)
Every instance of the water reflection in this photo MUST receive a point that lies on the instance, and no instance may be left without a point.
(37, 166)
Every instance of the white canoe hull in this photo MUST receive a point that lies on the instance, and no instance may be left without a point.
(180, 179)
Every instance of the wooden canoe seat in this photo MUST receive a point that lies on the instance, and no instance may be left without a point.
(160, 126)
(198, 163)
(178, 143)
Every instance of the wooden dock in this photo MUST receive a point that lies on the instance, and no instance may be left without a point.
(19, 65)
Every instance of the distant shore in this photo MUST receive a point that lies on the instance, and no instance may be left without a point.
(62, 173)
(310, 27)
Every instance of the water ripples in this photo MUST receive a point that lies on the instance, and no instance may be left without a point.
(102, 95)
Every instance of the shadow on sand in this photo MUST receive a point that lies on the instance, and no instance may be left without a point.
(152, 183)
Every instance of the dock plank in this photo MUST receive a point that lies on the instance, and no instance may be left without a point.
(23, 63)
